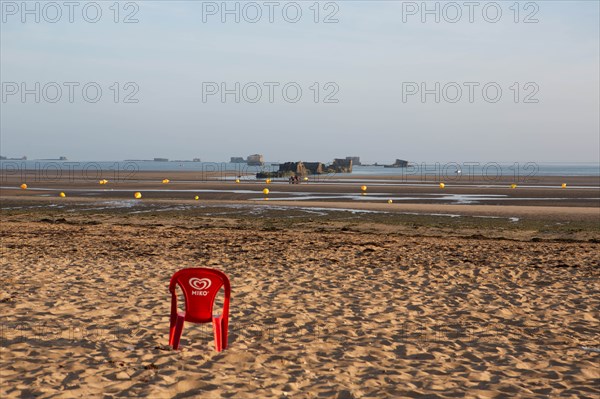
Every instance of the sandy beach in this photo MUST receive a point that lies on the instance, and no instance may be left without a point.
(351, 297)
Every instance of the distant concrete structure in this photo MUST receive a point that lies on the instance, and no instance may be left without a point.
(255, 160)
(314, 168)
(291, 169)
(196, 160)
(400, 163)
(294, 169)
(340, 166)
(355, 160)
(308, 168)
(237, 160)
(161, 159)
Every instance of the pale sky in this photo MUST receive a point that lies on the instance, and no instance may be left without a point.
(180, 52)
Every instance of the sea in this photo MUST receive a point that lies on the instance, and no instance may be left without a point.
(106, 169)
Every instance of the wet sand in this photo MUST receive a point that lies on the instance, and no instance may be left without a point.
(544, 191)
(342, 298)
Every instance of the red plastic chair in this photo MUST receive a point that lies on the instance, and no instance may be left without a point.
(200, 287)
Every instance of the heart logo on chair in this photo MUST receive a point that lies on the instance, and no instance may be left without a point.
(200, 283)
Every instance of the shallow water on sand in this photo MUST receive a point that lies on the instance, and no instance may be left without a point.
(133, 207)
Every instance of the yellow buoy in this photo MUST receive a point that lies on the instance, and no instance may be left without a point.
(513, 185)
(196, 198)
(23, 186)
(268, 181)
(103, 181)
(363, 188)
(564, 185)
(137, 195)
(266, 191)
(306, 179)
(165, 181)
(237, 180)
(442, 185)
(390, 201)
(62, 195)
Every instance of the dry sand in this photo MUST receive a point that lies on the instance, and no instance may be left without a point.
(332, 304)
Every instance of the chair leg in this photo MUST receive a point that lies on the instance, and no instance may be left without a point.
(224, 332)
(218, 333)
(178, 331)
(172, 330)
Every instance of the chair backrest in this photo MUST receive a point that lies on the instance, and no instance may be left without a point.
(200, 287)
